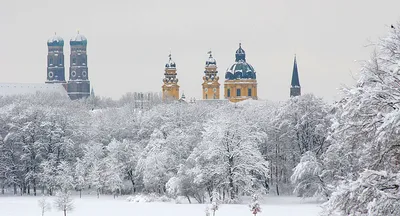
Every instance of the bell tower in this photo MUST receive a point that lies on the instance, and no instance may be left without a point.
(170, 88)
(55, 60)
(210, 79)
(78, 84)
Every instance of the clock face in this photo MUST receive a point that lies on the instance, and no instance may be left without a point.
(73, 74)
(206, 90)
(215, 89)
(84, 73)
(51, 74)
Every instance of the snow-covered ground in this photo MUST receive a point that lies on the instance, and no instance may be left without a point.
(107, 206)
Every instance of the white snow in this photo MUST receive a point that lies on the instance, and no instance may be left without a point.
(107, 206)
(54, 38)
(79, 37)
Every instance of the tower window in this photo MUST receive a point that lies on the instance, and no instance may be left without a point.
(74, 61)
(228, 93)
(238, 92)
(249, 92)
(50, 61)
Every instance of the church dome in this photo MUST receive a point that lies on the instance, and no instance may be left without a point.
(211, 60)
(240, 69)
(78, 39)
(170, 63)
(55, 40)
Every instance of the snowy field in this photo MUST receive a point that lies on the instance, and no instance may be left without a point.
(107, 206)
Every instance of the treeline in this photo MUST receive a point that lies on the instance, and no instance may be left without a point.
(189, 149)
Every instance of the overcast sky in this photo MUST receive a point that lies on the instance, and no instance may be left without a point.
(129, 40)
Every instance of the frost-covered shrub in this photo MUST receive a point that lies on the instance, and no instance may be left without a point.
(255, 207)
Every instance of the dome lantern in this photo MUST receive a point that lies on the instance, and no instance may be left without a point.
(170, 63)
(210, 60)
(240, 54)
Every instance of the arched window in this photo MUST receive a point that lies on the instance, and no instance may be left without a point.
(228, 93)
(50, 61)
(206, 96)
(249, 92)
(238, 93)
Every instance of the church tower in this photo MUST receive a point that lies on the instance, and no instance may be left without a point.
(210, 78)
(295, 89)
(55, 60)
(170, 88)
(240, 79)
(78, 84)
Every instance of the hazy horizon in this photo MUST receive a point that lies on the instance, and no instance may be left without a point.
(129, 41)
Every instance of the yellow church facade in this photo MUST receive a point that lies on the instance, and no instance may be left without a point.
(239, 90)
(240, 80)
(170, 88)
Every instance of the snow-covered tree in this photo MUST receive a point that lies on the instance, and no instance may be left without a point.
(308, 177)
(207, 211)
(373, 193)
(214, 206)
(65, 178)
(123, 157)
(362, 160)
(63, 202)
(80, 176)
(154, 164)
(44, 205)
(113, 176)
(228, 158)
(296, 126)
(94, 158)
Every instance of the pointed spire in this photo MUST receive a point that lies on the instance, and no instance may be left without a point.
(295, 89)
(295, 74)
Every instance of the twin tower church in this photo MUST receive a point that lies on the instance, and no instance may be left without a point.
(78, 85)
(240, 80)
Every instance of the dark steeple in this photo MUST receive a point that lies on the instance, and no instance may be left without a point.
(295, 89)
